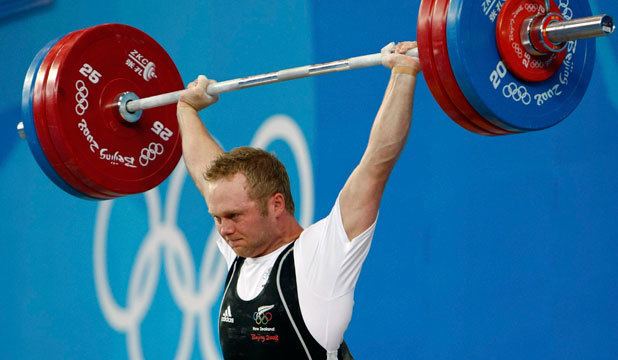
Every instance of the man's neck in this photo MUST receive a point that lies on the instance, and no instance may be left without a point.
(289, 230)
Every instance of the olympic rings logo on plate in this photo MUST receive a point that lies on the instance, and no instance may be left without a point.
(565, 9)
(81, 97)
(262, 318)
(150, 153)
(536, 64)
(165, 245)
(517, 93)
(518, 50)
(532, 8)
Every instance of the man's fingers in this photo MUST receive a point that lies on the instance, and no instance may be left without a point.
(202, 81)
(405, 46)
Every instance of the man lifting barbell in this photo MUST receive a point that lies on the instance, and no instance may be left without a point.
(290, 291)
(90, 124)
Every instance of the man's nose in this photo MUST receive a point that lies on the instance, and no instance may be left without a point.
(226, 227)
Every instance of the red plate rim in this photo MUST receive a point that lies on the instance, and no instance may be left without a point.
(447, 77)
(424, 41)
(39, 113)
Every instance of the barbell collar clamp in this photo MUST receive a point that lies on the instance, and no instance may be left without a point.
(125, 113)
(543, 34)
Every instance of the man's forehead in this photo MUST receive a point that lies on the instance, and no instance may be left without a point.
(227, 193)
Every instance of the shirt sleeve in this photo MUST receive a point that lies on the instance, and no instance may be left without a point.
(328, 263)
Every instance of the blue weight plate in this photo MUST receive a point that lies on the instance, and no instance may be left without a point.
(29, 126)
(492, 90)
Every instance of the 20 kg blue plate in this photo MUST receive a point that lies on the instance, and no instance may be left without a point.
(492, 90)
(29, 127)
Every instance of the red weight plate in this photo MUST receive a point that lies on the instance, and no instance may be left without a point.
(93, 140)
(447, 77)
(430, 71)
(40, 122)
(522, 64)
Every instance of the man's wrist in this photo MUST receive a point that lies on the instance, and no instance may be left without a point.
(398, 69)
(183, 106)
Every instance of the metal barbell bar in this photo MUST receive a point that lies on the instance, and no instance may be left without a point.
(358, 62)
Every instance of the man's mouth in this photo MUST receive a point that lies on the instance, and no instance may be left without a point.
(231, 242)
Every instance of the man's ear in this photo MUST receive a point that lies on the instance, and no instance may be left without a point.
(277, 204)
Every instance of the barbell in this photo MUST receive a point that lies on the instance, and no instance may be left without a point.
(96, 102)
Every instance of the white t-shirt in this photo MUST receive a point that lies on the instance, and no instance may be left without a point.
(327, 267)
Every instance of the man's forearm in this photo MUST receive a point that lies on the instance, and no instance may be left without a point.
(390, 128)
(199, 148)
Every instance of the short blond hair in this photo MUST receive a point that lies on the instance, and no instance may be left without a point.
(266, 175)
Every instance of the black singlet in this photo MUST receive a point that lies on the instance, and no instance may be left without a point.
(270, 326)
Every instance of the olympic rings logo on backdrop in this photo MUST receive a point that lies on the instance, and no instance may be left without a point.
(81, 97)
(150, 153)
(165, 245)
(517, 93)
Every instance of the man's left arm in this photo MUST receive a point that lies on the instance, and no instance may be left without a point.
(361, 195)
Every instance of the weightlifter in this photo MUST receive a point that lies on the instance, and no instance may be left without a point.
(290, 291)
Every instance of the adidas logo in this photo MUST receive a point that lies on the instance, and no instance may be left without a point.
(227, 316)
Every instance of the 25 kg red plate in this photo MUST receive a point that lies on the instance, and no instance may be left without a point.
(92, 139)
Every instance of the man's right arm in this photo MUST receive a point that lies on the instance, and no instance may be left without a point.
(199, 148)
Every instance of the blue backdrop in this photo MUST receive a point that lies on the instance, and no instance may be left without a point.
(486, 248)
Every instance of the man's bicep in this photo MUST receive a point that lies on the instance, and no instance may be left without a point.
(360, 201)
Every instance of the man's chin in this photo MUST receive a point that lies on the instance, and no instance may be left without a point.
(240, 250)
(235, 244)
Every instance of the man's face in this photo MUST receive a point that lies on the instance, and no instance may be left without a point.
(238, 218)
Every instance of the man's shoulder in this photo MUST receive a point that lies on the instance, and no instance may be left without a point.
(314, 228)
